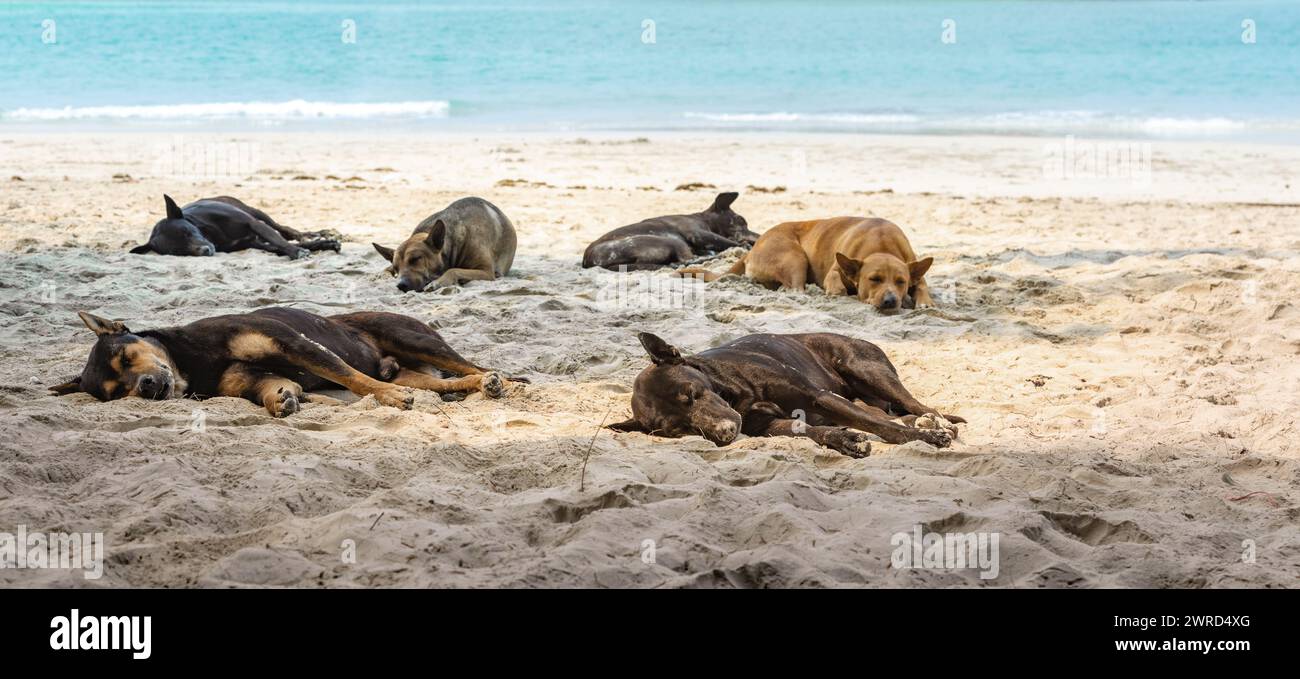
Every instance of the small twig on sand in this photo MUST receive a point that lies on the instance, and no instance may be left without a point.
(377, 518)
(582, 480)
(1266, 495)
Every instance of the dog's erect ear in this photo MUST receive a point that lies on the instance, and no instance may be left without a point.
(101, 326)
(173, 212)
(72, 386)
(437, 235)
(849, 269)
(386, 253)
(919, 267)
(661, 352)
(723, 201)
(141, 249)
(848, 266)
(626, 425)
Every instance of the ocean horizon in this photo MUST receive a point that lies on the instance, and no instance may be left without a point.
(1147, 69)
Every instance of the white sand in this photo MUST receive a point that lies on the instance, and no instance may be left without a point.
(1125, 352)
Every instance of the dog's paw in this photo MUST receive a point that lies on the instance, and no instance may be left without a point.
(453, 396)
(298, 253)
(849, 442)
(397, 397)
(939, 438)
(492, 385)
(334, 245)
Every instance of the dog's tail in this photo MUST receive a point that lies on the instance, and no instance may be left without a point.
(710, 276)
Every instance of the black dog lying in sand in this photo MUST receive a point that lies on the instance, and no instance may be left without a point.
(759, 384)
(271, 356)
(660, 241)
(224, 224)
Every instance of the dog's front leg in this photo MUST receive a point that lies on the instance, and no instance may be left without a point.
(457, 276)
(922, 295)
(278, 244)
(280, 395)
(711, 242)
(840, 439)
(834, 283)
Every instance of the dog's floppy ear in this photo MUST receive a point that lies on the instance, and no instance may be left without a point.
(723, 201)
(102, 326)
(437, 235)
(72, 386)
(661, 352)
(141, 249)
(386, 253)
(919, 267)
(173, 212)
(626, 425)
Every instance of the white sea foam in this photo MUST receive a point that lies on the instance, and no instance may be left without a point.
(297, 109)
(1016, 122)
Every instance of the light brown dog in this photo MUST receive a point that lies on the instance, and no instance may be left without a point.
(861, 256)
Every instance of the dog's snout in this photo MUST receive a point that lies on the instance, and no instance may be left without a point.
(154, 386)
(206, 251)
(723, 433)
(403, 285)
(890, 301)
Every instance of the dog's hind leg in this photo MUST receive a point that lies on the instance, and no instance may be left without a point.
(415, 345)
(489, 383)
(280, 395)
(272, 341)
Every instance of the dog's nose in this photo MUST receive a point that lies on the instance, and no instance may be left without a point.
(147, 381)
(403, 285)
(890, 301)
(724, 433)
(206, 251)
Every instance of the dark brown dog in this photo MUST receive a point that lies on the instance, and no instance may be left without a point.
(657, 242)
(271, 356)
(778, 385)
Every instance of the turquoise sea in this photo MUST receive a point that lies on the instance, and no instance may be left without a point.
(1156, 68)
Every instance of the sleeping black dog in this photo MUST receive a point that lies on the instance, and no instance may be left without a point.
(660, 241)
(224, 224)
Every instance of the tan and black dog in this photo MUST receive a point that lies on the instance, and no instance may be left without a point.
(761, 385)
(272, 356)
(469, 240)
(867, 257)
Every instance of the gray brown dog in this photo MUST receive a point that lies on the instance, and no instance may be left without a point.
(469, 240)
(827, 387)
(661, 241)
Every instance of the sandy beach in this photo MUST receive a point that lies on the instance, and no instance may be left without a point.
(1119, 331)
